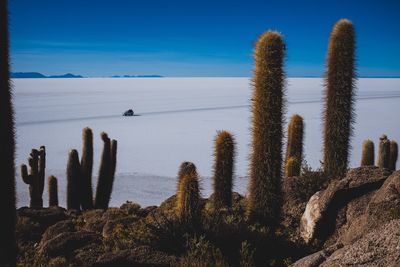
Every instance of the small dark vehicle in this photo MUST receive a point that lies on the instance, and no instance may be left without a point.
(129, 112)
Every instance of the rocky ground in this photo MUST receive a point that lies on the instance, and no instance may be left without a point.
(352, 221)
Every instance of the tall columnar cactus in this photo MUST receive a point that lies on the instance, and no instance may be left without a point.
(384, 152)
(223, 169)
(42, 169)
(53, 191)
(74, 181)
(7, 144)
(188, 198)
(368, 153)
(393, 155)
(339, 98)
(33, 179)
(87, 167)
(295, 144)
(106, 173)
(292, 167)
(265, 193)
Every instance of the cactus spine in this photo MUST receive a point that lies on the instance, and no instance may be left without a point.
(7, 167)
(73, 181)
(87, 167)
(339, 98)
(106, 173)
(188, 198)
(223, 169)
(53, 191)
(368, 153)
(393, 155)
(384, 152)
(294, 145)
(292, 167)
(265, 193)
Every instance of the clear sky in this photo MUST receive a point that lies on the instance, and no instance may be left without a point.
(194, 37)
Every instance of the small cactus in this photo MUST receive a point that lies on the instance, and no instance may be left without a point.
(384, 152)
(34, 178)
(294, 146)
(185, 168)
(188, 198)
(7, 144)
(223, 169)
(106, 173)
(339, 98)
(53, 191)
(265, 192)
(368, 153)
(393, 155)
(292, 167)
(74, 181)
(87, 167)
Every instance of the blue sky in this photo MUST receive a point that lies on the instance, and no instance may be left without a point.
(194, 37)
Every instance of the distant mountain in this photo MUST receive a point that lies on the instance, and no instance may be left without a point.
(39, 75)
(26, 75)
(137, 76)
(68, 75)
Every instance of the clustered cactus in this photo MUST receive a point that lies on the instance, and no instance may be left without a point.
(35, 177)
(79, 176)
(7, 144)
(223, 169)
(294, 151)
(339, 98)
(264, 203)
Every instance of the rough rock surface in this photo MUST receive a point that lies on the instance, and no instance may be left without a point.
(319, 218)
(45, 216)
(65, 243)
(383, 205)
(56, 229)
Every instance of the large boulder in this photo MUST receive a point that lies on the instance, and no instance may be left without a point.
(319, 218)
(380, 247)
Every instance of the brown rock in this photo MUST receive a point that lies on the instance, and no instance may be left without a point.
(111, 224)
(56, 229)
(138, 256)
(45, 216)
(66, 243)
